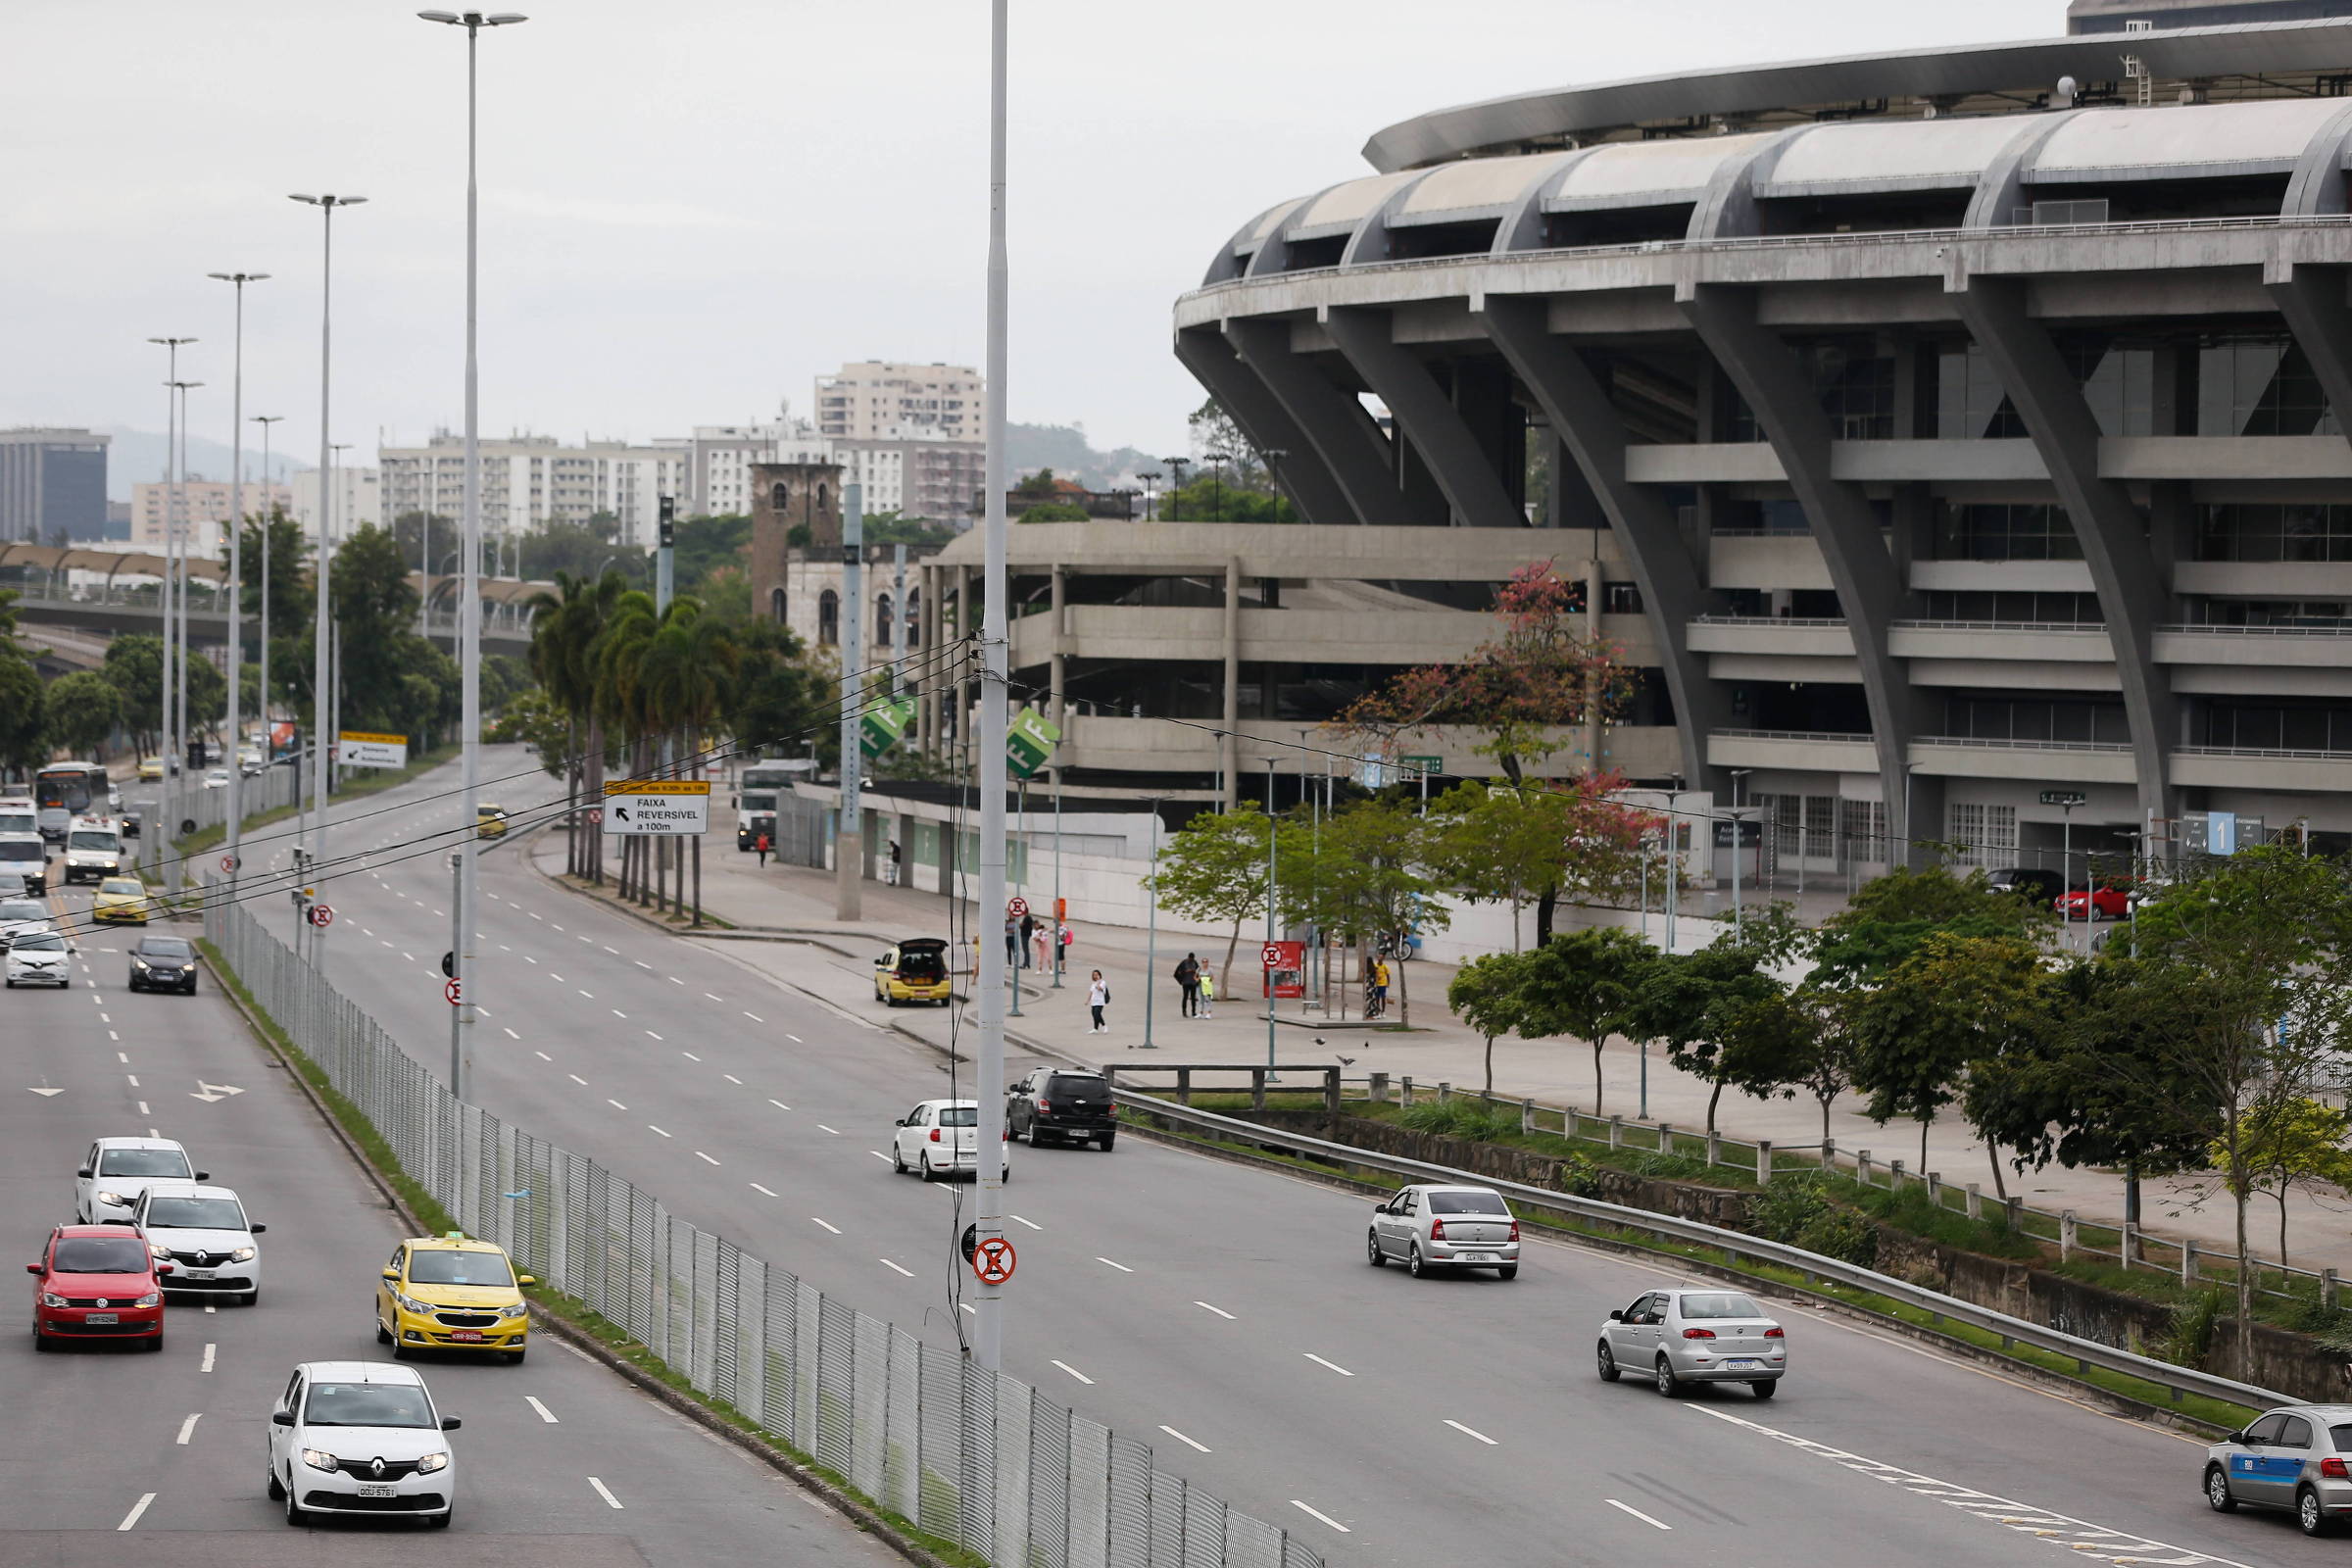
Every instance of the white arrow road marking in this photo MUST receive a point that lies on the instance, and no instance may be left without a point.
(45, 1094)
(208, 1093)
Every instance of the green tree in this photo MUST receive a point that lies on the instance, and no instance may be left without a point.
(83, 709)
(1040, 483)
(531, 718)
(1501, 842)
(564, 627)
(1716, 1009)
(780, 697)
(1369, 882)
(289, 556)
(704, 545)
(1580, 984)
(1213, 869)
(2292, 1144)
(134, 667)
(1490, 994)
(24, 713)
(1955, 999)
(1054, 511)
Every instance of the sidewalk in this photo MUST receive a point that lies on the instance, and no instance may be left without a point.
(1437, 1049)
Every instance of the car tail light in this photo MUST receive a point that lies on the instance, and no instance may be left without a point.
(1774, 1334)
(1698, 1334)
(1437, 1230)
(935, 1135)
(1514, 1230)
(1112, 1108)
(1046, 1106)
(2333, 1469)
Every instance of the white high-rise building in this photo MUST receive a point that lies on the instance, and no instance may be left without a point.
(869, 400)
(531, 481)
(358, 496)
(718, 482)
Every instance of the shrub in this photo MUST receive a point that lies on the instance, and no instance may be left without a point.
(1578, 1176)
(2194, 1323)
(1793, 1201)
(1842, 1233)
(1459, 1118)
(1670, 1167)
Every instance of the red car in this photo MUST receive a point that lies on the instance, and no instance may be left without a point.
(2096, 903)
(98, 1281)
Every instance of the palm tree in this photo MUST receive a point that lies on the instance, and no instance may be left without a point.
(618, 656)
(563, 646)
(689, 669)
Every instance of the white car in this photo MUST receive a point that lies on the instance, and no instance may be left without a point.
(20, 915)
(216, 779)
(39, 956)
(93, 851)
(206, 1232)
(361, 1438)
(117, 1170)
(936, 1138)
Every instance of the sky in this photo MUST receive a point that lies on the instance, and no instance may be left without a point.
(692, 209)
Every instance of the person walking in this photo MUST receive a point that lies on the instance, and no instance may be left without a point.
(763, 849)
(1208, 992)
(1028, 934)
(1012, 940)
(1188, 980)
(1380, 989)
(1063, 959)
(893, 873)
(1098, 996)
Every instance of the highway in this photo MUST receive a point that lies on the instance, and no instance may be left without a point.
(1224, 1314)
(167, 1449)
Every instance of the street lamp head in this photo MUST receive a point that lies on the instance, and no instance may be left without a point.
(171, 342)
(504, 19)
(327, 201)
(238, 277)
(449, 16)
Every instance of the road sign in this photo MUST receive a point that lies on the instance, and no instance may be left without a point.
(1751, 834)
(1015, 907)
(455, 991)
(322, 915)
(664, 807)
(1029, 739)
(449, 965)
(2064, 798)
(993, 1261)
(229, 862)
(1284, 968)
(359, 749)
(883, 725)
(1422, 764)
(595, 815)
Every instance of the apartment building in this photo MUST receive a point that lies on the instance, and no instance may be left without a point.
(531, 481)
(873, 400)
(52, 485)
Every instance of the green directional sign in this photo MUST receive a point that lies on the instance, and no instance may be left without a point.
(883, 725)
(2064, 798)
(1417, 766)
(1029, 739)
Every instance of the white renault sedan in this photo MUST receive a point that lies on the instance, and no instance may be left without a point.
(206, 1232)
(937, 1138)
(361, 1438)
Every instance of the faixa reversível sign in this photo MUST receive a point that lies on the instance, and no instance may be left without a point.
(658, 806)
(357, 749)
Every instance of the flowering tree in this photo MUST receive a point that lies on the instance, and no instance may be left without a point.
(1520, 843)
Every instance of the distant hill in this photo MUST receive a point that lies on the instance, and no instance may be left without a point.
(1064, 449)
(136, 457)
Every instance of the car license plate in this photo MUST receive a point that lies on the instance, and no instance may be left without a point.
(378, 1491)
(467, 1336)
(1743, 1364)
(1478, 1258)
(201, 1273)
(103, 1317)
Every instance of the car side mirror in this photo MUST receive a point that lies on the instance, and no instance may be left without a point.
(257, 1229)
(527, 1278)
(391, 1273)
(901, 1122)
(1380, 1209)
(85, 1173)
(165, 1268)
(451, 1423)
(204, 1175)
(1616, 1316)
(282, 1418)
(32, 1268)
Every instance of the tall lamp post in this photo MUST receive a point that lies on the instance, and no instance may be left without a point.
(1273, 456)
(269, 515)
(177, 592)
(1150, 478)
(172, 347)
(236, 574)
(469, 607)
(1216, 490)
(1176, 467)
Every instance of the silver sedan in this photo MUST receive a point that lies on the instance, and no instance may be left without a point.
(2292, 1458)
(1676, 1338)
(1432, 1227)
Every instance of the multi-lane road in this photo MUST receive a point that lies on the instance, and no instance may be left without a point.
(560, 1463)
(1226, 1314)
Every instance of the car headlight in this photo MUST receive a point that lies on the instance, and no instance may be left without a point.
(517, 1310)
(113, 1199)
(137, 963)
(319, 1459)
(151, 1299)
(243, 1255)
(409, 1304)
(431, 1463)
(50, 1298)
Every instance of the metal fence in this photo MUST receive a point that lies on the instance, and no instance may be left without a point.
(968, 1455)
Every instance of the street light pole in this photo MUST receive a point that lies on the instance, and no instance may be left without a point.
(236, 574)
(1151, 931)
(1267, 965)
(1150, 478)
(1739, 849)
(269, 515)
(171, 345)
(470, 608)
(1176, 467)
(848, 830)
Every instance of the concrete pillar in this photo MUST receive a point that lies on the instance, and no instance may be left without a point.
(1975, 1203)
(1714, 1147)
(1829, 1155)
(1617, 1131)
(1305, 477)
(2069, 1235)
(2188, 1264)
(1763, 1162)
(1228, 747)
(1379, 1092)
(1362, 459)
(1527, 1115)
(1427, 417)
(1862, 1167)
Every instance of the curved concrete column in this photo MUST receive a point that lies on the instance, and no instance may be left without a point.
(2311, 296)
(1260, 415)
(1728, 209)
(1227, 266)
(2001, 187)
(1359, 458)
(1869, 585)
(1523, 225)
(1370, 241)
(1273, 253)
(1673, 588)
(1425, 415)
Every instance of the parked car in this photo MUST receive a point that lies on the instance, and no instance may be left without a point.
(163, 963)
(914, 970)
(97, 1282)
(1431, 1227)
(1677, 1338)
(114, 1171)
(938, 1138)
(2095, 903)
(2293, 1458)
(361, 1438)
(1054, 1105)
(2032, 881)
(40, 957)
(208, 1234)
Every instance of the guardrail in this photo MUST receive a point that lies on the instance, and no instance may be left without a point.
(1736, 1245)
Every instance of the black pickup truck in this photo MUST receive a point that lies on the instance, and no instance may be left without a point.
(1054, 1105)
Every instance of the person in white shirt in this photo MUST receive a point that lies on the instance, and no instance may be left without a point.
(1098, 996)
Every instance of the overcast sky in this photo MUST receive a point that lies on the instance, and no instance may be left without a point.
(692, 207)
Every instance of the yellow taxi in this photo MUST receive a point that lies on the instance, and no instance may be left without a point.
(452, 1292)
(914, 970)
(489, 821)
(121, 900)
(151, 768)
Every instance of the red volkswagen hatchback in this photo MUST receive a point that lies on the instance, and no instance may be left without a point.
(97, 1282)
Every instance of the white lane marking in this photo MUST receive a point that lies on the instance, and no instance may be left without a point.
(1074, 1372)
(1122, 1267)
(617, 1105)
(1468, 1433)
(673, 979)
(1628, 1507)
(545, 1414)
(690, 1056)
(796, 1040)
(559, 979)
(381, 943)
(1032, 1224)
(754, 1017)
(1220, 1311)
(1187, 1442)
(133, 1076)
(656, 1129)
(208, 1360)
(969, 1307)
(757, 1188)
(731, 1078)
(209, 1310)
(577, 1079)
(143, 1110)
(650, 1035)
(503, 947)
(2061, 1530)
(698, 1154)
(615, 951)
(709, 998)
(411, 956)
(111, 1035)
(1320, 1514)
(527, 958)
(510, 1029)
(535, 914)
(103, 1018)
(878, 1155)
(602, 1490)
(123, 1057)
(541, 1054)
(137, 1508)
(617, 1014)
(188, 1428)
(827, 1224)
(835, 1131)
(910, 1273)
(1334, 1365)
(780, 1105)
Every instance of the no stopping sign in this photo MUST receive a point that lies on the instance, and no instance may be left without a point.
(993, 1259)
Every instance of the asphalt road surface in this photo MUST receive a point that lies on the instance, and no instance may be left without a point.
(1224, 1314)
(118, 1455)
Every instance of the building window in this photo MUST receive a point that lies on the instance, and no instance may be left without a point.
(775, 606)
(1620, 599)
(780, 497)
(914, 618)
(882, 624)
(2054, 721)
(2290, 725)
(2260, 386)
(828, 617)
(2274, 531)
(1970, 403)
(2024, 531)
(1981, 835)
(1856, 388)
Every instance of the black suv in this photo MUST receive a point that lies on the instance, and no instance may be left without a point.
(1056, 1104)
(2037, 884)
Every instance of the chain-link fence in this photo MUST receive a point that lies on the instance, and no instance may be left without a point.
(968, 1455)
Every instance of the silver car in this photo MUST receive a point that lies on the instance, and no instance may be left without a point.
(2291, 1458)
(1444, 1227)
(1676, 1338)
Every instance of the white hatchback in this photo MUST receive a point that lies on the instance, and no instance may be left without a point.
(361, 1438)
(938, 1138)
(204, 1230)
(114, 1171)
(40, 957)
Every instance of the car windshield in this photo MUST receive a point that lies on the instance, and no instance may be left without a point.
(163, 1162)
(445, 1266)
(122, 887)
(90, 841)
(1719, 1303)
(23, 850)
(17, 821)
(101, 1255)
(39, 942)
(1466, 1203)
(960, 1116)
(164, 947)
(368, 1404)
(196, 1213)
(23, 909)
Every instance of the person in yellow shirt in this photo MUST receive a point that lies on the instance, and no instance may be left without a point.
(1380, 989)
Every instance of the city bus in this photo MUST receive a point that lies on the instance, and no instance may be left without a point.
(64, 791)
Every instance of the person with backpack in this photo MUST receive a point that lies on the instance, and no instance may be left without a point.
(1098, 996)
(1188, 981)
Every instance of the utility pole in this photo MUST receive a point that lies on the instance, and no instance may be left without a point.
(1152, 932)
(269, 517)
(1265, 965)
(848, 833)
(236, 579)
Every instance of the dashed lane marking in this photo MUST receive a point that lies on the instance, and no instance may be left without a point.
(1628, 1507)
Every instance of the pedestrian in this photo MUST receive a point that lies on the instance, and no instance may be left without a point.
(1063, 959)
(892, 875)
(1013, 942)
(762, 848)
(1380, 989)
(1028, 935)
(1098, 996)
(1208, 991)
(1042, 940)
(1188, 980)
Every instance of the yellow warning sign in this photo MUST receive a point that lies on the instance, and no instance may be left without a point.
(657, 786)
